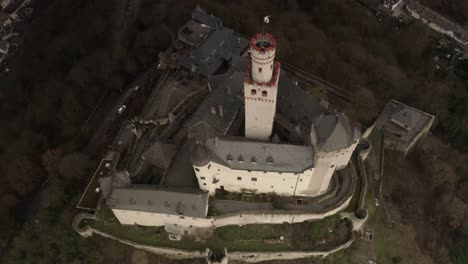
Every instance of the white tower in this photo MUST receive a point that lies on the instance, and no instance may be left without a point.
(261, 87)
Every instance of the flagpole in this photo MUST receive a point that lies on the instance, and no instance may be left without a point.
(263, 28)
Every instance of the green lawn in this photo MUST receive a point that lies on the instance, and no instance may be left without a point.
(254, 232)
(301, 236)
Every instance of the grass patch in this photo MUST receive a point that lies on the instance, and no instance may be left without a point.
(300, 236)
(320, 228)
(253, 232)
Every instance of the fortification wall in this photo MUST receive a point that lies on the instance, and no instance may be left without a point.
(174, 253)
(253, 257)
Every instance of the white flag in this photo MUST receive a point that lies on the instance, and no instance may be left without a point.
(266, 19)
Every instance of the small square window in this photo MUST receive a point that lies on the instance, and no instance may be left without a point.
(239, 178)
(264, 93)
(254, 179)
(253, 92)
(204, 184)
(202, 178)
(259, 69)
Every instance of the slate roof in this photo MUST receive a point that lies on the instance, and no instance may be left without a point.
(295, 104)
(333, 132)
(224, 98)
(201, 16)
(192, 33)
(404, 123)
(173, 201)
(160, 154)
(217, 48)
(243, 154)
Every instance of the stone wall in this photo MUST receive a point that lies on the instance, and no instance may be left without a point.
(282, 255)
(87, 231)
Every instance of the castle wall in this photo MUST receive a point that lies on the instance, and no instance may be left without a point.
(126, 217)
(216, 176)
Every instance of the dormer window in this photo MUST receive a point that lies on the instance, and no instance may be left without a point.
(253, 160)
(269, 160)
(241, 158)
(229, 157)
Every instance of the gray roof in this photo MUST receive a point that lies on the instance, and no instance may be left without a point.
(160, 154)
(406, 118)
(201, 131)
(180, 173)
(174, 201)
(219, 109)
(201, 16)
(333, 132)
(403, 122)
(219, 47)
(295, 104)
(192, 33)
(244, 154)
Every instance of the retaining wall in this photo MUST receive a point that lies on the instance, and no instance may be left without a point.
(174, 253)
(282, 255)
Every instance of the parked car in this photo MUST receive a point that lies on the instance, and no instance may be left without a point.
(121, 109)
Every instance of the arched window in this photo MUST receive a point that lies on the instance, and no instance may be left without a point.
(259, 69)
(264, 93)
(253, 92)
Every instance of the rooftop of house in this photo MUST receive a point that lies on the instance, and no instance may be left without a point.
(148, 198)
(220, 108)
(160, 154)
(243, 154)
(333, 132)
(219, 47)
(213, 45)
(403, 122)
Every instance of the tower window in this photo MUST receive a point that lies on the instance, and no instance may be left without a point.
(253, 92)
(239, 178)
(264, 93)
(259, 69)
(254, 179)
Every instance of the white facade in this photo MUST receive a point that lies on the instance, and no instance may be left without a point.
(261, 88)
(311, 182)
(128, 217)
(216, 176)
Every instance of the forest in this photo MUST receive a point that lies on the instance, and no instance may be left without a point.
(74, 54)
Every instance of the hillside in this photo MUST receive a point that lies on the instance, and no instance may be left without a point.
(77, 52)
